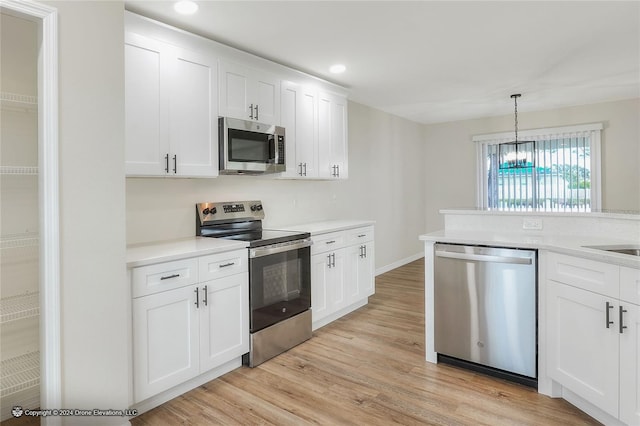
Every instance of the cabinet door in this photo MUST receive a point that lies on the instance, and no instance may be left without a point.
(249, 94)
(193, 114)
(582, 351)
(224, 320)
(234, 91)
(298, 115)
(165, 341)
(366, 271)
(320, 276)
(359, 281)
(265, 95)
(146, 109)
(339, 136)
(332, 136)
(336, 281)
(630, 365)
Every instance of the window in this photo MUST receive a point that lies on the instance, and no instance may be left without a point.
(558, 172)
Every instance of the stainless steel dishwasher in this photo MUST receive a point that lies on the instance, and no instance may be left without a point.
(485, 304)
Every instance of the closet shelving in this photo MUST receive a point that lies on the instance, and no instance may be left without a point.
(20, 370)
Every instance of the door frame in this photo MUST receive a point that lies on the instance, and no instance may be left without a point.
(48, 198)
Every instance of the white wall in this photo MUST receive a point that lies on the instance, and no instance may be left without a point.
(386, 175)
(451, 155)
(94, 294)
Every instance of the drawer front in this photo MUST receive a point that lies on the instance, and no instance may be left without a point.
(164, 276)
(360, 235)
(630, 285)
(223, 264)
(328, 242)
(599, 277)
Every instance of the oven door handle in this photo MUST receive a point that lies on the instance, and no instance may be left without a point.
(277, 248)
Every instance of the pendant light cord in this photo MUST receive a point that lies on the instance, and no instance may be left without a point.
(515, 102)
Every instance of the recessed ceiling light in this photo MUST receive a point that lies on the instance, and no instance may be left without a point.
(337, 68)
(185, 7)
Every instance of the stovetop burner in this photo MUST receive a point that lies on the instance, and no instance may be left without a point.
(242, 221)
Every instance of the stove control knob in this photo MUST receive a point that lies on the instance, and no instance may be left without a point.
(211, 210)
(258, 207)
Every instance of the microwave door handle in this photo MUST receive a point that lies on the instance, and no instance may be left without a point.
(272, 149)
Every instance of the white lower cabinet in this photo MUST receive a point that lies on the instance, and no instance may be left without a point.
(224, 323)
(165, 341)
(179, 333)
(593, 337)
(342, 274)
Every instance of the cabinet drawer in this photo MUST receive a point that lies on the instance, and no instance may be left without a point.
(360, 235)
(164, 276)
(602, 278)
(328, 242)
(223, 264)
(630, 285)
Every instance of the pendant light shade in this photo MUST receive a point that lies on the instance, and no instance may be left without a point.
(517, 154)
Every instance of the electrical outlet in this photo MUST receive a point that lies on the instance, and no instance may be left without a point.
(532, 223)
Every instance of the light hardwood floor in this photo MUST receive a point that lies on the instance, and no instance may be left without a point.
(367, 368)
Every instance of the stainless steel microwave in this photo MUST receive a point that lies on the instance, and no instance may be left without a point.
(248, 147)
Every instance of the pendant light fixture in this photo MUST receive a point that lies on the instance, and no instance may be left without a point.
(517, 154)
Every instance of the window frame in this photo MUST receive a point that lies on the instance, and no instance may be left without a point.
(591, 130)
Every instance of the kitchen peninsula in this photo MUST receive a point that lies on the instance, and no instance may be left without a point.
(588, 300)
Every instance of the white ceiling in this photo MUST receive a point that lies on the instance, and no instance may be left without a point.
(441, 61)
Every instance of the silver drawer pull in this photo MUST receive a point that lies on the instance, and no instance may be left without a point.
(330, 242)
(168, 277)
(227, 264)
(362, 235)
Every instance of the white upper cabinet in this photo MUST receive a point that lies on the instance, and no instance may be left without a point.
(332, 136)
(299, 117)
(249, 94)
(178, 84)
(170, 110)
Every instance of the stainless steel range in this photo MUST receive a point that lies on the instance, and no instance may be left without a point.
(279, 275)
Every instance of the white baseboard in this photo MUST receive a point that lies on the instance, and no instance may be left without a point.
(399, 263)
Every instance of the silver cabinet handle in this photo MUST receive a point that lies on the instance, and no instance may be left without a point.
(166, 163)
(622, 327)
(305, 169)
(197, 298)
(225, 265)
(362, 235)
(251, 115)
(168, 277)
(484, 258)
(337, 170)
(333, 263)
(329, 261)
(609, 306)
(256, 112)
(300, 172)
(175, 164)
(330, 242)
(365, 251)
(205, 298)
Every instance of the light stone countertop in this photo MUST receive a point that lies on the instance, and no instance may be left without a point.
(567, 244)
(165, 251)
(318, 228)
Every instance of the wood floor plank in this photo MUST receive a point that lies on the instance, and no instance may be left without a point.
(365, 368)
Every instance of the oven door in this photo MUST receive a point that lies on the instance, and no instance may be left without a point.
(279, 282)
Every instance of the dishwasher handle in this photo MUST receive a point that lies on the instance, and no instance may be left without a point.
(485, 257)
